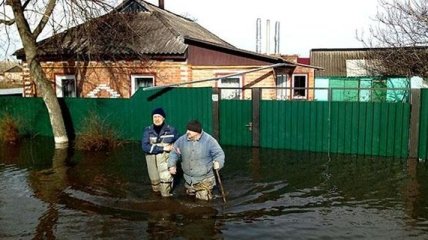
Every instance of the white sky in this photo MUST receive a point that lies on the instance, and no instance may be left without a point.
(304, 24)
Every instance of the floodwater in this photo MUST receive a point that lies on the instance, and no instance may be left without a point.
(271, 194)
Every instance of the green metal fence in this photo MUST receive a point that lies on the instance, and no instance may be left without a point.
(127, 116)
(423, 126)
(367, 128)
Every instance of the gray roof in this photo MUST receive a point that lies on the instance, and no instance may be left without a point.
(155, 31)
(333, 61)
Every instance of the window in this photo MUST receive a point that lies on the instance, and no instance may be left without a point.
(141, 81)
(65, 86)
(299, 86)
(232, 82)
(281, 83)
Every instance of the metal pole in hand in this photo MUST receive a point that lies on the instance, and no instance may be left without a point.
(221, 185)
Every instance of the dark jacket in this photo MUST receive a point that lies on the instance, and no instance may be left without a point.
(151, 142)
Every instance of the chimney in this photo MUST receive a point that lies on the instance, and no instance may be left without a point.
(267, 36)
(258, 35)
(161, 4)
(276, 37)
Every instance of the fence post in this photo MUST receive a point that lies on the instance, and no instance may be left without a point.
(255, 98)
(414, 123)
(215, 113)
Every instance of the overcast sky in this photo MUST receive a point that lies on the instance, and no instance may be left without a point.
(304, 24)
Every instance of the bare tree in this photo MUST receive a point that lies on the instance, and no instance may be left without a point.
(34, 17)
(399, 41)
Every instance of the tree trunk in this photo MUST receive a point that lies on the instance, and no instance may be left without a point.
(52, 104)
(29, 39)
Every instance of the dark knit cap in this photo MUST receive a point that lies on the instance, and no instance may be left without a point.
(194, 126)
(159, 111)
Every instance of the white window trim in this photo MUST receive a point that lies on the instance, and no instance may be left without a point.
(240, 86)
(58, 83)
(282, 94)
(306, 85)
(135, 76)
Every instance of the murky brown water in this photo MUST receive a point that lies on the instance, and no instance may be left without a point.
(272, 194)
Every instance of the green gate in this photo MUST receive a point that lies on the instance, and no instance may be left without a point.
(235, 122)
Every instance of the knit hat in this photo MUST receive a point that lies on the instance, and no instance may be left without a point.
(159, 111)
(194, 126)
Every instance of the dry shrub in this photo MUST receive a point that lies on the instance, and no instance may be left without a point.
(96, 135)
(9, 131)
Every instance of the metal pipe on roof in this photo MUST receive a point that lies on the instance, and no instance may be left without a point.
(267, 36)
(161, 4)
(276, 39)
(258, 35)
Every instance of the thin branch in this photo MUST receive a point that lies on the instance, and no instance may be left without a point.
(45, 19)
(7, 22)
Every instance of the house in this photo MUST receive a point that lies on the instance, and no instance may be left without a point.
(10, 73)
(300, 84)
(161, 49)
(347, 75)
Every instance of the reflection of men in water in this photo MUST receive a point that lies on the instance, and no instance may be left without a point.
(157, 142)
(199, 153)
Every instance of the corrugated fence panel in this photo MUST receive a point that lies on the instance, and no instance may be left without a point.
(181, 105)
(127, 116)
(235, 115)
(31, 114)
(423, 126)
(295, 125)
(366, 128)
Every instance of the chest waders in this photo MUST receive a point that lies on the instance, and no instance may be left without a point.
(157, 166)
(202, 190)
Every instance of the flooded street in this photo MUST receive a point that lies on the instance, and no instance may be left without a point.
(272, 194)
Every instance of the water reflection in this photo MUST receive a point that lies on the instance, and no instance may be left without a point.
(48, 194)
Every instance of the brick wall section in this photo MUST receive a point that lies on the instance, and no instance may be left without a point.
(263, 78)
(113, 79)
(28, 84)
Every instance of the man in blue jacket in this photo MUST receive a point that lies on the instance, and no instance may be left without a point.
(200, 153)
(157, 143)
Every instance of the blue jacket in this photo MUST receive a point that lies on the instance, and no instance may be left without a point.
(151, 140)
(196, 157)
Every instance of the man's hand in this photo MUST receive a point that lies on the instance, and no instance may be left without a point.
(172, 170)
(168, 148)
(216, 165)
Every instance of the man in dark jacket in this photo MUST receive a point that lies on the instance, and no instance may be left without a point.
(157, 143)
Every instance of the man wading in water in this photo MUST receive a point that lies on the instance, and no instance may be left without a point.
(199, 153)
(157, 143)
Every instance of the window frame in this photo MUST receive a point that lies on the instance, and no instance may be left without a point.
(134, 78)
(294, 84)
(59, 79)
(283, 93)
(238, 91)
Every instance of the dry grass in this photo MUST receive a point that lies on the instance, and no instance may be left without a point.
(9, 131)
(96, 135)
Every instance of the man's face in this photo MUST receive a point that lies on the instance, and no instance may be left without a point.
(158, 119)
(191, 135)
